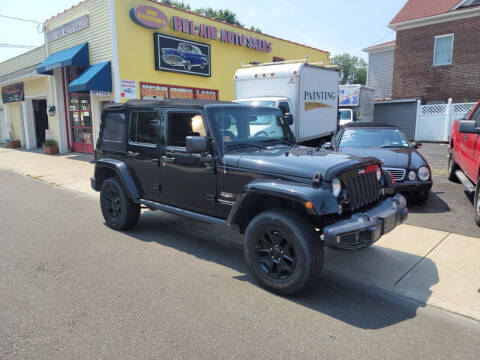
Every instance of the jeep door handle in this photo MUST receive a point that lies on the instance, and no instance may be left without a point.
(132, 154)
(168, 159)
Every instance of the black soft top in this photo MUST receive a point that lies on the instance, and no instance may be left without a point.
(167, 103)
(369, 125)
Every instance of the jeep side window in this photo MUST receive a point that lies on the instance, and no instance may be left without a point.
(181, 125)
(476, 117)
(284, 108)
(113, 132)
(143, 127)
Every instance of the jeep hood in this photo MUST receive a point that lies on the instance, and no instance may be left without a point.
(301, 162)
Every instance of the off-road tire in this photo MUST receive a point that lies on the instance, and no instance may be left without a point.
(119, 211)
(476, 203)
(302, 238)
(452, 167)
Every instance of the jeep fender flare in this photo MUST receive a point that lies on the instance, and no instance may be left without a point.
(121, 170)
(323, 201)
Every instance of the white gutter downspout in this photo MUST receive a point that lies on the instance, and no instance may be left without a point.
(115, 65)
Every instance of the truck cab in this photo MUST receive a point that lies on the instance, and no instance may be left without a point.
(346, 116)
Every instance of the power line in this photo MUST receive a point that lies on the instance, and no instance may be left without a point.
(15, 46)
(20, 19)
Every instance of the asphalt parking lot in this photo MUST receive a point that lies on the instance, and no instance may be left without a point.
(449, 208)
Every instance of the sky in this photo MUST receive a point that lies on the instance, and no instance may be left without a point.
(337, 26)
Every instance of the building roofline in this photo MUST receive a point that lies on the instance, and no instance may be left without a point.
(205, 17)
(390, 45)
(449, 16)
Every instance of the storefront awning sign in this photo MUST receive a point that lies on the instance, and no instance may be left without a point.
(96, 77)
(77, 55)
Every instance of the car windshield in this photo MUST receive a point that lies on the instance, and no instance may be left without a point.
(241, 126)
(345, 114)
(374, 137)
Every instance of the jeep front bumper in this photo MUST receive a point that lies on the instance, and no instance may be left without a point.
(363, 229)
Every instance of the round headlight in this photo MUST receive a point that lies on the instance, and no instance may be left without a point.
(379, 173)
(423, 173)
(336, 187)
(412, 176)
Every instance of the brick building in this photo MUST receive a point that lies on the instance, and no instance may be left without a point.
(437, 51)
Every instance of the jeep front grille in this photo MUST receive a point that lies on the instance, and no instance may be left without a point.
(398, 174)
(362, 189)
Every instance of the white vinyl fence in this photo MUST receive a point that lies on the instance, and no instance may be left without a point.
(434, 122)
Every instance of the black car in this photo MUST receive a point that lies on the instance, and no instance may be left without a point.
(207, 161)
(389, 144)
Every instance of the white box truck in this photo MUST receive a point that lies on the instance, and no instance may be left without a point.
(308, 92)
(356, 103)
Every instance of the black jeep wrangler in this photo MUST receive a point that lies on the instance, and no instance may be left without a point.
(238, 165)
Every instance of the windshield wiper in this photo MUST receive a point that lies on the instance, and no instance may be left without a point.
(243, 145)
(278, 142)
(391, 146)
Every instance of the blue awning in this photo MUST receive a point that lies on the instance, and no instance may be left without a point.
(96, 77)
(77, 55)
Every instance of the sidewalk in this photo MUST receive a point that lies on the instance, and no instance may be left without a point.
(429, 266)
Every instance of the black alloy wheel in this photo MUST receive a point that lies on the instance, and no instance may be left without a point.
(276, 255)
(119, 211)
(114, 205)
(283, 251)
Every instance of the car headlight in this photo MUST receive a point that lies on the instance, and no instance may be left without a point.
(336, 187)
(423, 173)
(379, 173)
(412, 176)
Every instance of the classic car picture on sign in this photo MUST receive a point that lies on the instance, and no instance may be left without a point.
(179, 55)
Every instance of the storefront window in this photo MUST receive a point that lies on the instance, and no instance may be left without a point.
(81, 122)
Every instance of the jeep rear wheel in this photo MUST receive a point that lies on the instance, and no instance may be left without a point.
(119, 212)
(283, 251)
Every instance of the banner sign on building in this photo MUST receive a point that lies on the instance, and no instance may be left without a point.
(13, 93)
(149, 17)
(128, 89)
(149, 91)
(68, 28)
(349, 95)
(210, 32)
(180, 55)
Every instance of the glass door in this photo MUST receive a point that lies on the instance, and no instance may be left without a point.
(81, 122)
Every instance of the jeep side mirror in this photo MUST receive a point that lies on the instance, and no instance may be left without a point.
(417, 145)
(288, 118)
(197, 144)
(468, 127)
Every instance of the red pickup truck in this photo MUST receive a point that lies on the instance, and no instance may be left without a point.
(464, 157)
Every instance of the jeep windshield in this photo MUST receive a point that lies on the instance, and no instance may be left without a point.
(248, 126)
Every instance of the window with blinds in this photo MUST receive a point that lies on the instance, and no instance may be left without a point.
(443, 50)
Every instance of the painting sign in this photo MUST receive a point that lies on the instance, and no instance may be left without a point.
(182, 56)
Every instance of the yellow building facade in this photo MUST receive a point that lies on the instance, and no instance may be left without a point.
(103, 51)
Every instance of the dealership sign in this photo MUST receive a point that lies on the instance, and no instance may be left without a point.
(13, 93)
(68, 28)
(180, 55)
(187, 26)
(149, 91)
(149, 17)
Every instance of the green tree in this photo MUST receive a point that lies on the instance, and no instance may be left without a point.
(352, 69)
(219, 14)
